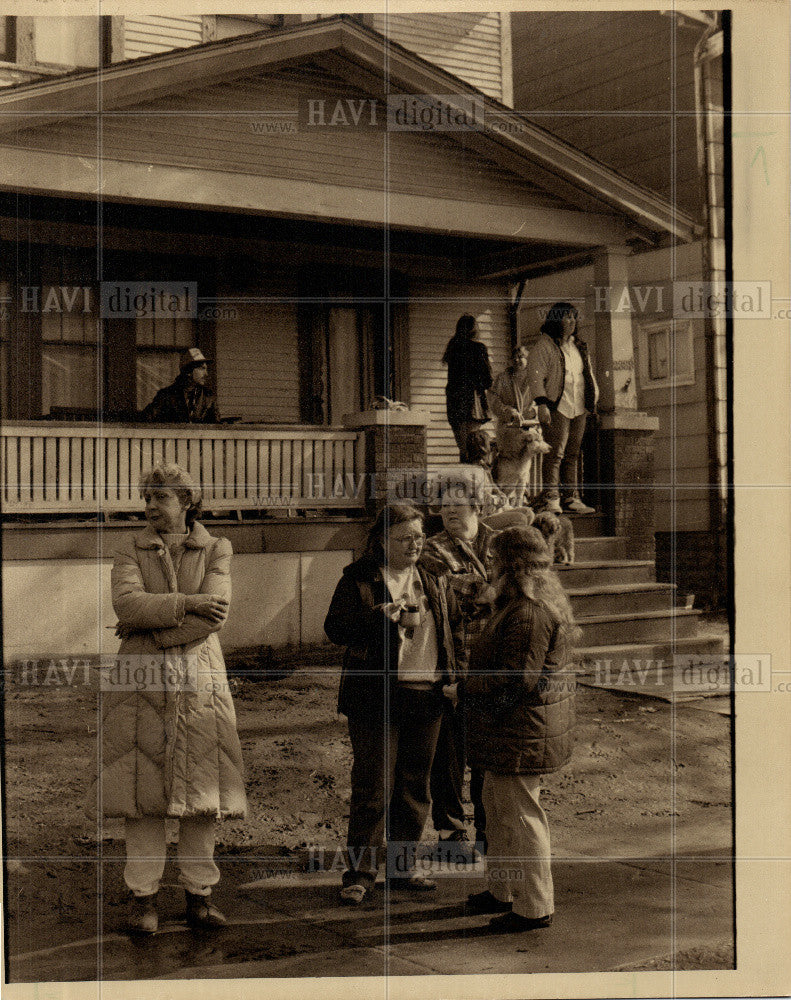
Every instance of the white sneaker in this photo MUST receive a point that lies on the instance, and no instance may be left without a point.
(552, 504)
(576, 506)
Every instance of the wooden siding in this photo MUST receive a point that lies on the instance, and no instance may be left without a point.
(228, 127)
(433, 312)
(622, 92)
(467, 45)
(151, 33)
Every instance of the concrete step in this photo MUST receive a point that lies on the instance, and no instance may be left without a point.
(618, 656)
(641, 626)
(596, 548)
(588, 525)
(620, 598)
(592, 573)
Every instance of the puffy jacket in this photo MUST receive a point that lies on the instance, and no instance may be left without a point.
(370, 662)
(546, 366)
(170, 745)
(519, 697)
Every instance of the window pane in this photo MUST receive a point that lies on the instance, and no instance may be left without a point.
(71, 41)
(155, 369)
(68, 377)
(658, 355)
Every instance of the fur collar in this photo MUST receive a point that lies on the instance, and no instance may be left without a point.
(198, 538)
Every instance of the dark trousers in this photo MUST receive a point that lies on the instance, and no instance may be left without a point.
(390, 781)
(560, 468)
(447, 772)
(461, 431)
(478, 812)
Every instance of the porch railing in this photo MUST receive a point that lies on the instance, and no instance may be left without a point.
(62, 468)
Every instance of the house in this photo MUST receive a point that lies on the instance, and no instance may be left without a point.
(313, 204)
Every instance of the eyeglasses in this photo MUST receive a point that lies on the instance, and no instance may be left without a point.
(407, 539)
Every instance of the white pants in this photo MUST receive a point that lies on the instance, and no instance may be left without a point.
(518, 854)
(146, 847)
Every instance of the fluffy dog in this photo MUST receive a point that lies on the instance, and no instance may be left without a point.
(558, 533)
(517, 446)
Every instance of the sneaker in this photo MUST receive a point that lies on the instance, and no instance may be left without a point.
(552, 504)
(514, 923)
(576, 506)
(142, 918)
(413, 883)
(457, 849)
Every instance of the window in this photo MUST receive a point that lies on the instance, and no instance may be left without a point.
(665, 354)
(69, 337)
(159, 346)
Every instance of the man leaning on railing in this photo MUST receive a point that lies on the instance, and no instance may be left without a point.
(187, 400)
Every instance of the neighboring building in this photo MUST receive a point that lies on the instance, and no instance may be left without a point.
(641, 91)
(332, 257)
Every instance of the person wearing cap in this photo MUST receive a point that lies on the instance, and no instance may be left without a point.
(519, 696)
(168, 733)
(187, 400)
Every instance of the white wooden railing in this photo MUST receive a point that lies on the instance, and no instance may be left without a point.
(58, 467)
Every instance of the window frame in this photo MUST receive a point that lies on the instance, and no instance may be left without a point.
(677, 348)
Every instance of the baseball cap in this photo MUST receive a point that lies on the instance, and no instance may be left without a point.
(191, 357)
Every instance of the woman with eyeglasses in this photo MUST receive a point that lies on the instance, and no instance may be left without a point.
(402, 632)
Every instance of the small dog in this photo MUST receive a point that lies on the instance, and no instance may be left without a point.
(517, 446)
(558, 533)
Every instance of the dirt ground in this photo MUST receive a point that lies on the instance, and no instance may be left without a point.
(646, 776)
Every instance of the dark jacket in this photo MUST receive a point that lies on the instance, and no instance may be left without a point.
(469, 376)
(181, 402)
(372, 640)
(546, 366)
(519, 696)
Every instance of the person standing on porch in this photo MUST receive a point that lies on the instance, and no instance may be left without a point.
(168, 725)
(510, 397)
(469, 377)
(564, 389)
(187, 400)
(519, 696)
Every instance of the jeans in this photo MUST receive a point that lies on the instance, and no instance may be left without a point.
(146, 848)
(447, 773)
(560, 467)
(461, 431)
(390, 781)
(518, 858)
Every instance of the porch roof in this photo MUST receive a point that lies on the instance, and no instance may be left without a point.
(600, 206)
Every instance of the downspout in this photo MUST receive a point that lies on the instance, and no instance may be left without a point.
(710, 121)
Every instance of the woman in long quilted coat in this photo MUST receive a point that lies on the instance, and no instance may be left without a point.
(520, 704)
(169, 742)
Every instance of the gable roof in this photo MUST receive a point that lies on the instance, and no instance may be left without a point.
(379, 66)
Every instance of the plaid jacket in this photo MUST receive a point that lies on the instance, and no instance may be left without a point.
(466, 567)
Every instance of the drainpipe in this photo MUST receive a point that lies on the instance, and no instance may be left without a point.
(710, 122)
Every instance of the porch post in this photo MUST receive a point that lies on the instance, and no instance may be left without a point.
(395, 454)
(625, 433)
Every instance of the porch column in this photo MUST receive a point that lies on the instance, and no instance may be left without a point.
(395, 454)
(625, 433)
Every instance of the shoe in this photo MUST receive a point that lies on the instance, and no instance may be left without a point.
(485, 902)
(143, 917)
(514, 923)
(200, 912)
(552, 504)
(354, 893)
(415, 883)
(457, 849)
(576, 506)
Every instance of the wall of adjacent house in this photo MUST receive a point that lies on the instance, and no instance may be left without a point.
(147, 34)
(433, 312)
(471, 46)
(618, 85)
(681, 443)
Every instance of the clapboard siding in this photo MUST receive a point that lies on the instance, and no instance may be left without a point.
(467, 45)
(433, 312)
(146, 35)
(218, 128)
(258, 357)
(615, 65)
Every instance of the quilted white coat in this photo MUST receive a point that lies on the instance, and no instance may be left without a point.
(169, 744)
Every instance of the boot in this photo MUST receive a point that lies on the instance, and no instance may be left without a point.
(143, 917)
(200, 912)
